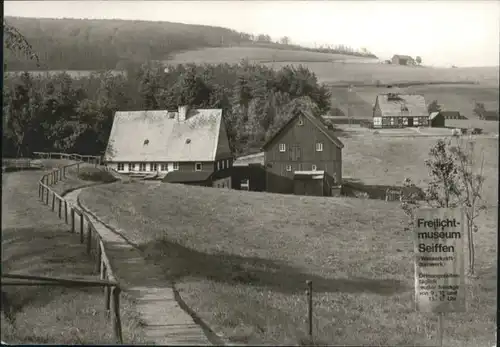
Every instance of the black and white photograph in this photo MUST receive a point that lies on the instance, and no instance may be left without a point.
(238, 173)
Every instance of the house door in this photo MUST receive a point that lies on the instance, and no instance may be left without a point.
(410, 121)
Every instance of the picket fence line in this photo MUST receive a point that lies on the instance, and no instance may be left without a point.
(90, 236)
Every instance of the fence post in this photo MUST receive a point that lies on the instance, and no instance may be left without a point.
(89, 237)
(40, 191)
(99, 255)
(65, 211)
(81, 227)
(107, 294)
(53, 201)
(309, 311)
(72, 219)
(117, 325)
(60, 208)
(64, 171)
(47, 195)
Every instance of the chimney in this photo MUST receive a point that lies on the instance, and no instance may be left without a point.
(183, 110)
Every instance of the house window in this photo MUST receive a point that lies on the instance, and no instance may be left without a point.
(164, 167)
(405, 121)
(227, 163)
(301, 121)
(131, 166)
(153, 167)
(319, 147)
(121, 166)
(218, 165)
(222, 161)
(282, 147)
(176, 166)
(142, 166)
(289, 168)
(245, 184)
(314, 167)
(197, 167)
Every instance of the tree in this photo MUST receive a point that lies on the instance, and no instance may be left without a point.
(285, 40)
(479, 109)
(418, 60)
(455, 182)
(434, 107)
(16, 42)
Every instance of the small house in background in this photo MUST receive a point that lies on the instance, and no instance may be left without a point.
(399, 59)
(436, 120)
(304, 156)
(188, 146)
(489, 115)
(452, 114)
(248, 173)
(393, 110)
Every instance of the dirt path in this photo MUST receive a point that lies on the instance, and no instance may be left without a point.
(165, 322)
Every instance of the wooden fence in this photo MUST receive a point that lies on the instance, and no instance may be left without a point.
(89, 236)
(92, 159)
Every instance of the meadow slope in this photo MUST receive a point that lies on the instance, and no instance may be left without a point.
(240, 260)
(36, 242)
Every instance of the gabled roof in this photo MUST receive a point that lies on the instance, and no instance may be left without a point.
(433, 115)
(257, 158)
(415, 103)
(159, 136)
(317, 121)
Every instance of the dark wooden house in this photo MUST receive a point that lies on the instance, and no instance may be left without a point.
(304, 157)
(436, 120)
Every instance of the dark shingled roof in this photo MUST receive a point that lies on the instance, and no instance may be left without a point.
(187, 176)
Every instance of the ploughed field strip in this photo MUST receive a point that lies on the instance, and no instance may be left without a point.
(164, 321)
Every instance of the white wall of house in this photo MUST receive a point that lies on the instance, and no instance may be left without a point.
(169, 167)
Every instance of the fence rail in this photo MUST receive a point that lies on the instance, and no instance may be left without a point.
(93, 159)
(90, 237)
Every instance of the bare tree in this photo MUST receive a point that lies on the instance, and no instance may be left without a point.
(470, 174)
(456, 181)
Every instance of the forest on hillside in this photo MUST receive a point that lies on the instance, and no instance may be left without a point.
(58, 113)
(84, 44)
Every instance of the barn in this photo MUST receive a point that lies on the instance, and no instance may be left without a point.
(394, 110)
(399, 59)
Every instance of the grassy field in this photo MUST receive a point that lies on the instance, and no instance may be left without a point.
(234, 55)
(35, 241)
(88, 175)
(240, 260)
(381, 160)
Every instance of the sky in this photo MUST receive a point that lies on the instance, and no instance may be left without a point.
(443, 33)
